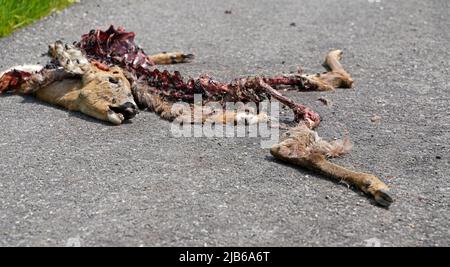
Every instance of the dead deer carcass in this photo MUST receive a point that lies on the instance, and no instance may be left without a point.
(108, 77)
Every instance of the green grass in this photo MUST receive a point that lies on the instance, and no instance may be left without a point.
(18, 13)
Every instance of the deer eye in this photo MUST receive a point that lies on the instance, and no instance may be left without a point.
(113, 80)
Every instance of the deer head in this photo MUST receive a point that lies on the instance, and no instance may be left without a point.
(106, 95)
(101, 92)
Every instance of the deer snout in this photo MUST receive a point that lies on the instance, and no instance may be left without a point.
(128, 110)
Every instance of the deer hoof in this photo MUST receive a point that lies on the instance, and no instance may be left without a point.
(384, 198)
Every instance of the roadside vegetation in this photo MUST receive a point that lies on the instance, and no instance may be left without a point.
(18, 13)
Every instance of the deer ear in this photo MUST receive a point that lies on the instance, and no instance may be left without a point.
(70, 58)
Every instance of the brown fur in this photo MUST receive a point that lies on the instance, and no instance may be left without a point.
(92, 95)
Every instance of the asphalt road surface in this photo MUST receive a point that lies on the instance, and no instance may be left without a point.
(66, 179)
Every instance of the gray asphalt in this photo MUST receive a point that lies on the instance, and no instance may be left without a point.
(66, 179)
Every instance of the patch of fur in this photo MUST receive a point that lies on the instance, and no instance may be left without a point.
(308, 142)
(332, 149)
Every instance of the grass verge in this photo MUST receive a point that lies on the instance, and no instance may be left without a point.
(18, 13)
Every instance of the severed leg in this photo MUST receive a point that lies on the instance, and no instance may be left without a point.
(336, 77)
(305, 148)
(24, 81)
(13, 79)
(29, 79)
(166, 58)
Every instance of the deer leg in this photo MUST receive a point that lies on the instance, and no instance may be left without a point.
(166, 58)
(304, 148)
(29, 80)
(25, 82)
(336, 77)
(368, 183)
